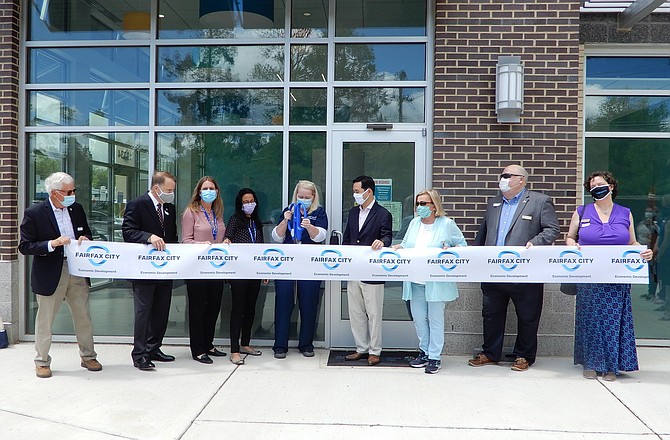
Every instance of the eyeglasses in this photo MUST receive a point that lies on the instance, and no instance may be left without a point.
(68, 192)
(509, 175)
(424, 203)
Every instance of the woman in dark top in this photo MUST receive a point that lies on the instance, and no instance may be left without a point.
(314, 225)
(244, 226)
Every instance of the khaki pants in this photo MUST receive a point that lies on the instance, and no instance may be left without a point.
(366, 305)
(73, 290)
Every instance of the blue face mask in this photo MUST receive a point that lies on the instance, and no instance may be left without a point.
(68, 200)
(306, 203)
(208, 195)
(423, 211)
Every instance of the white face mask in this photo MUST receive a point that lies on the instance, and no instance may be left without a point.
(248, 208)
(360, 199)
(504, 184)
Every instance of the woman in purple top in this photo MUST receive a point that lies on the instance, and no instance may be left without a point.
(202, 222)
(604, 335)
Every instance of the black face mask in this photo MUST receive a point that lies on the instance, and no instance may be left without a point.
(600, 192)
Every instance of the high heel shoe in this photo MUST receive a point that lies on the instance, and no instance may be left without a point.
(239, 361)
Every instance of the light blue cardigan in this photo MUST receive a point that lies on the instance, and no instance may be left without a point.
(445, 232)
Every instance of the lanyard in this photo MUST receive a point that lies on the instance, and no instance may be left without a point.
(214, 225)
(252, 231)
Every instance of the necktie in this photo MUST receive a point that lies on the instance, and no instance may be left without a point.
(159, 210)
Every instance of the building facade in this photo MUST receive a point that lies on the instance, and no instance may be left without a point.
(325, 90)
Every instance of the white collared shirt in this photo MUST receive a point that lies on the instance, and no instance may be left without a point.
(64, 223)
(363, 214)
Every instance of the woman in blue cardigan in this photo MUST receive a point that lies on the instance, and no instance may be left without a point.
(432, 228)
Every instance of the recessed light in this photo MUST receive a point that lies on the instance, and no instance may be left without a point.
(161, 15)
(306, 14)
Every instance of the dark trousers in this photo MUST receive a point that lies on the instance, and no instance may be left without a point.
(242, 311)
(204, 305)
(309, 296)
(152, 309)
(527, 299)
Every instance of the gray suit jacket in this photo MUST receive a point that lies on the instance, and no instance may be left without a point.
(534, 220)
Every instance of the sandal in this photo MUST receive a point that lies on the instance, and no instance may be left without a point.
(239, 361)
(251, 352)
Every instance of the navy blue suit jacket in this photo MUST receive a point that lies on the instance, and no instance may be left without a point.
(140, 221)
(38, 227)
(378, 226)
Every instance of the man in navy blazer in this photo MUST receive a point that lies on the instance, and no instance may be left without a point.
(517, 217)
(45, 229)
(151, 219)
(369, 224)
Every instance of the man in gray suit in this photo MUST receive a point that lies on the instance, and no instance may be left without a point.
(519, 217)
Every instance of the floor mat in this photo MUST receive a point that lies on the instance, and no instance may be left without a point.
(390, 358)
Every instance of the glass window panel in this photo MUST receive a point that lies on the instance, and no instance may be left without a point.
(220, 107)
(380, 18)
(89, 65)
(89, 20)
(220, 63)
(374, 104)
(309, 62)
(89, 107)
(307, 160)
(104, 185)
(637, 73)
(380, 62)
(309, 18)
(213, 19)
(627, 113)
(307, 107)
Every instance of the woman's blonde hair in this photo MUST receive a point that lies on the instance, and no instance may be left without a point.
(310, 186)
(217, 204)
(435, 197)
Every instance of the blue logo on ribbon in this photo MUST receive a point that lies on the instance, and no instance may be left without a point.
(327, 253)
(269, 252)
(157, 265)
(507, 254)
(448, 254)
(93, 249)
(571, 253)
(223, 262)
(628, 266)
(389, 253)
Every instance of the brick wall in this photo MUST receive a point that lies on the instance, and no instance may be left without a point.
(9, 105)
(470, 147)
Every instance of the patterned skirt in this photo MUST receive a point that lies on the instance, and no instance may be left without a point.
(604, 334)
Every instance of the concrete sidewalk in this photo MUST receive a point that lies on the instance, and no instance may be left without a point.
(300, 398)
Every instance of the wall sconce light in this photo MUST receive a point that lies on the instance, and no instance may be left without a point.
(247, 14)
(509, 89)
(136, 25)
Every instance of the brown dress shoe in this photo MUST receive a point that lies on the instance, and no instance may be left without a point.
(91, 365)
(480, 360)
(520, 364)
(354, 356)
(43, 371)
(373, 360)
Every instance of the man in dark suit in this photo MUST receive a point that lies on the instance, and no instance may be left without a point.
(369, 224)
(518, 217)
(45, 229)
(151, 219)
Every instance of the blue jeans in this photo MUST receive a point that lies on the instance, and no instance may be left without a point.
(309, 296)
(428, 322)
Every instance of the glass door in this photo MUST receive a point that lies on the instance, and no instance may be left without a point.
(397, 162)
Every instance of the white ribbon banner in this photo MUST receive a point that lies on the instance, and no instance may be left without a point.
(539, 264)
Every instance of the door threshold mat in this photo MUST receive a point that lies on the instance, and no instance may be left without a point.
(389, 358)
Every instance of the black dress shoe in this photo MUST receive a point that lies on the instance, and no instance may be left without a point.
(161, 357)
(203, 359)
(216, 353)
(144, 364)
